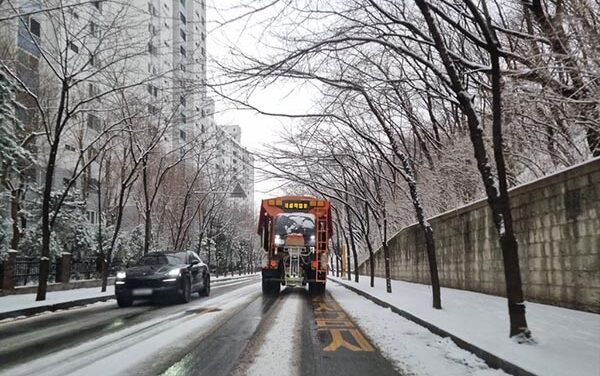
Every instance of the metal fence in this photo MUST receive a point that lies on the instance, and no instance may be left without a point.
(86, 268)
(27, 269)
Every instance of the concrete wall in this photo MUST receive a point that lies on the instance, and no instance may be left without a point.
(557, 225)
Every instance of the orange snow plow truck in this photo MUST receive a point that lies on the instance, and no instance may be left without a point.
(294, 232)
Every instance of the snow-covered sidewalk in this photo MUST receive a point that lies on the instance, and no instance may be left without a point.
(20, 302)
(568, 341)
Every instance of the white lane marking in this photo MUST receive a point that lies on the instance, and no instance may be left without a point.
(279, 353)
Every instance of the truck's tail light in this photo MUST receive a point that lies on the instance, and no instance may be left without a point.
(273, 264)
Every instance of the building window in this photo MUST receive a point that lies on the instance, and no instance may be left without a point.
(69, 147)
(152, 29)
(96, 5)
(152, 109)
(182, 100)
(93, 60)
(182, 135)
(73, 47)
(182, 18)
(183, 119)
(93, 184)
(153, 90)
(151, 48)
(182, 2)
(93, 122)
(34, 27)
(182, 50)
(91, 216)
(152, 10)
(94, 29)
(92, 90)
(92, 152)
(183, 35)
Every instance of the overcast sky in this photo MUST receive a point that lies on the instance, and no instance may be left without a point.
(257, 130)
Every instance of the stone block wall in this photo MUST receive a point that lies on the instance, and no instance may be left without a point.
(557, 225)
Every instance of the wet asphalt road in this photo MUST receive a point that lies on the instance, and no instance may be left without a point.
(329, 344)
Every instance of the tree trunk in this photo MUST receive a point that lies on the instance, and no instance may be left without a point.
(499, 203)
(386, 255)
(427, 233)
(369, 246)
(46, 199)
(147, 206)
(47, 195)
(347, 243)
(108, 259)
(352, 241)
(503, 215)
(15, 206)
(147, 230)
(337, 256)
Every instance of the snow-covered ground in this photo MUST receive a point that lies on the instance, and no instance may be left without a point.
(129, 350)
(568, 341)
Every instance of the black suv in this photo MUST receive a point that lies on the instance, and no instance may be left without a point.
(163, 274)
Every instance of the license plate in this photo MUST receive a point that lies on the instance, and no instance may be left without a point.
(141, 292)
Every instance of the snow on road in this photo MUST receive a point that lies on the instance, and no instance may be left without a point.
(120, 352)
(279, 352)
(568, 341)
(411, 347)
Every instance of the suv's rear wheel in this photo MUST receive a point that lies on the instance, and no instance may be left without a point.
(206, 290)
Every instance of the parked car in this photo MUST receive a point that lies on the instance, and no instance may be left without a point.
(163, 275)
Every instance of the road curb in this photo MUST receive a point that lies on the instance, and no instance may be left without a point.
(53, 307)
(489, 358)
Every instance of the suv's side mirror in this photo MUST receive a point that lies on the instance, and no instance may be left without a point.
(195, 262)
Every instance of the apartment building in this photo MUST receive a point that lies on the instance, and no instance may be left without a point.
(158, 47)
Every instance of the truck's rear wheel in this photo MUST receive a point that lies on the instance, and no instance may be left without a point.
(270, 287)
(316, 288)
